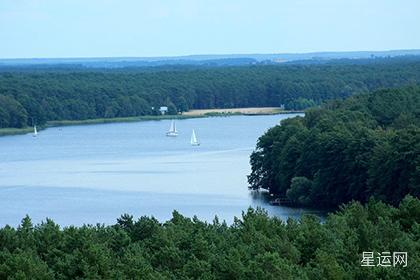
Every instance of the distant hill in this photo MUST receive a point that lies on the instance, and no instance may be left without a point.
(206, 60)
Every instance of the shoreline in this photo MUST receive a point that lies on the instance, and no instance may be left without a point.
(248, 111)
(15, 131)
(204, 113)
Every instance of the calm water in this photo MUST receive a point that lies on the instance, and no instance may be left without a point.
(95, 173)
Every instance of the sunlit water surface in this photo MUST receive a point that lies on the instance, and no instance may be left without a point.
(94, 173)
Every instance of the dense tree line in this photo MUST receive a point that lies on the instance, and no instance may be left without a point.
(367, 145)
(30, 96)
(254, 247)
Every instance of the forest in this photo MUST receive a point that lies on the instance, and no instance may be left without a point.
(365, 146)
(254, 247)
(33, 96)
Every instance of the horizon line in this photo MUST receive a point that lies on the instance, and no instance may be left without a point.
(212, 54)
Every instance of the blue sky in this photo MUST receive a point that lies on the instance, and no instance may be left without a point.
(108, 28)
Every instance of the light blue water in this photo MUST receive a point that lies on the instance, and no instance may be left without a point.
(95, 173)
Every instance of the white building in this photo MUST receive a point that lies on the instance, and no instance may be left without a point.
(163, 110)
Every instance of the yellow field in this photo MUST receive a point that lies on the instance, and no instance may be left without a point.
(246, 111)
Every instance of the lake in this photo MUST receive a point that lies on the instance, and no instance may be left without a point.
(94, 173)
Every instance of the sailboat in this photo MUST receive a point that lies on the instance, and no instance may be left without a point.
(35, 132)
(172, 130)
(194, 141)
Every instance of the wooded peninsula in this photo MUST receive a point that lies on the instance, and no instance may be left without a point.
(366, 146)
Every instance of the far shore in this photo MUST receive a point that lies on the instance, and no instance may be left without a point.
(239, 111)
(201, 113)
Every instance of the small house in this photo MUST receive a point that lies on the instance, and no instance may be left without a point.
(163, 110)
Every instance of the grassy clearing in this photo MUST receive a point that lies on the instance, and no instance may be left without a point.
(15, 131)
(114, 120)
(237, 111)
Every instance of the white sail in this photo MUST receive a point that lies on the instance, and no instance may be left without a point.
(174, 127)
(35, 131)
(172, 130)
(194, 140)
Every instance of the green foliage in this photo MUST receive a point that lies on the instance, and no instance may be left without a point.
(30, 95)
(300, 104)
(299, 191)
(12, 113)
(254, 247)
(367, 145)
